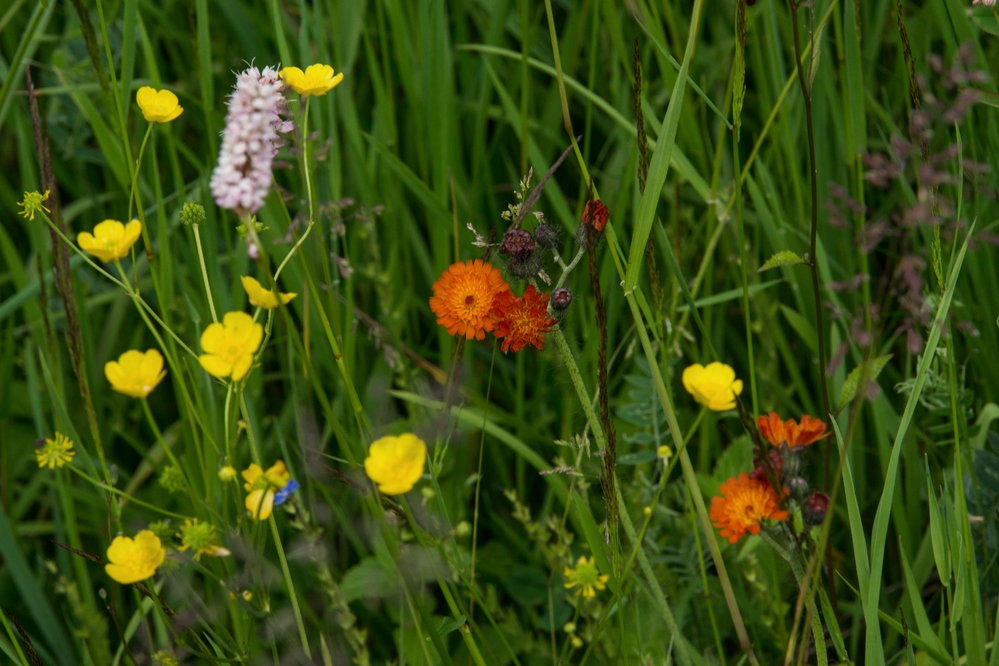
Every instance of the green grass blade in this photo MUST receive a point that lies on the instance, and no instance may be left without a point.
(874, 649)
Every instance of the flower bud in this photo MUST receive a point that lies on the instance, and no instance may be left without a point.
(517, 243)
(561, 298)
(776, 462)
(227, 473)
(798, 487)
(815, 508)
(525, 266)
(546, 236)
(192, 214)
(596, 213)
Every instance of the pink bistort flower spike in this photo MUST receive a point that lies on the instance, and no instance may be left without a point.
(987, 3)
(257, 110)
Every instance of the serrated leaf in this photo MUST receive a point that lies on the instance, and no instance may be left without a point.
(782, 258)
(985, 19)
(871, 368)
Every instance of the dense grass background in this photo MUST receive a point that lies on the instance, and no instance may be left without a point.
(444, 108)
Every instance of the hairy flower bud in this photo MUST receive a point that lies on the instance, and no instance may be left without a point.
(546, 236)
(815, 508)
(561, 298)
(517, 243)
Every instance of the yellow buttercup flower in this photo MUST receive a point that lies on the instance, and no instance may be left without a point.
(396, 463)
(55, 452)
(261, 297)
(111, 239)
(714, 385)
(158, 106)
(317, 79)
(229, 346)
(261, 487)
(586, 576)
(132, 560)
(135, 373)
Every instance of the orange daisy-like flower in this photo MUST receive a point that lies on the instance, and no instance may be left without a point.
(743, 504)
(790, 432)
(465, 297)
(524, 321)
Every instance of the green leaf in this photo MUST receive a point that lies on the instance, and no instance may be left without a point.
(450, 624)
(782, 258)
(938, 537)
(985, 18)
(366, 580)
(637, 458)
(874, 648)
(871, 368)
(660, 161)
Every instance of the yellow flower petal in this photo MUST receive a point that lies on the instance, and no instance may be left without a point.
(261, 501)
(317, 79)
(111, 240)
(215, 365)
(135, 373)
(396, 463)
(158, 106)
(261, 297)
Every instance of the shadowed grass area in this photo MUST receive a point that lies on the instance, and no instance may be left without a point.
(828, 231)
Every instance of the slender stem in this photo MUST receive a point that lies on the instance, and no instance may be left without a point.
(291, 587)
(814, 231)
(163, 445)
(308, 190)
(117, 491)
(478, 480)
(135, 173)
(204, 273)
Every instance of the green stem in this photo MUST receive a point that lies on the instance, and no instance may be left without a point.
(308, 190)
(121, 493)
(204, 273)
(138, 166)
(291, 586)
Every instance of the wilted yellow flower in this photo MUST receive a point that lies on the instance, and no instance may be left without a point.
(229, 346)
(714, 385)
(317, 79)
(227, 473)
(261, 487)
(135, 373)
(586, 576)
(396, 463)
(132, 560)
(200, 537)
(158, 106)
(32, 203)
(261, 297)
(111, 239)
(55, 452)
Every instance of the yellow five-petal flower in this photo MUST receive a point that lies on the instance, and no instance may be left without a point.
(317, 79)
(229, 346)
(135, 373)
(132, 560)
(396, 463)
(713, 385)
(262, 485)
(111, 239)
(261, 297)
(158, 106)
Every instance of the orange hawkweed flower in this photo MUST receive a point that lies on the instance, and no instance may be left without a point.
(743, 504)
(524, 320)
(465, 297)
(790, 432)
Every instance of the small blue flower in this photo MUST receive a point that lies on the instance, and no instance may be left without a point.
(281, 496)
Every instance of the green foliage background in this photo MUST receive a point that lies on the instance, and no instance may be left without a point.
(443, 109)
